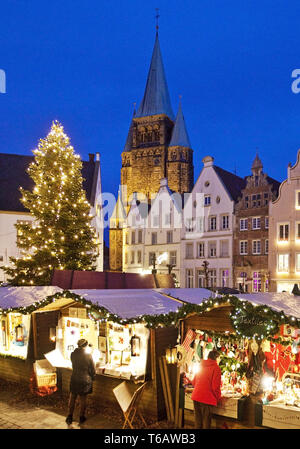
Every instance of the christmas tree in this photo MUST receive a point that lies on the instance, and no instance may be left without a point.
(60, 235)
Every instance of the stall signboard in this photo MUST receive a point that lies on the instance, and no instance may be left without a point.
(14, 336)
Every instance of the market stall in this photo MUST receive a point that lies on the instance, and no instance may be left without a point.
(259, 345)
(122, 330)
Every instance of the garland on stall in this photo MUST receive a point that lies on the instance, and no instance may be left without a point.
(248, 320)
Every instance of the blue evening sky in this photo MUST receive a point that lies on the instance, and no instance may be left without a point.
(86, 63)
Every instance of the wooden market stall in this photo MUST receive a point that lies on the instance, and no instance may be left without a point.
(259, 346)
(125, 345)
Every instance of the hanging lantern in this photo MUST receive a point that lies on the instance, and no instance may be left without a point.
(168, 355)
(174, 355)
(3, 328)
(135, 346)
(52, 334)
(19, 334)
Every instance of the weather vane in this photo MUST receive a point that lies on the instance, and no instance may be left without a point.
(157, 17)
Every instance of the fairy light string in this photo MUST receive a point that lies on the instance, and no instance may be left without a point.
(266, 324)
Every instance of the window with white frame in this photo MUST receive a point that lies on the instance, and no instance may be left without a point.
(212, 249)
(189, 275)
(266, 222)
(225, 221)
(283, 232)
(212, 221)
(283, 263)
(266, 246)
(140, 236)
(154, 238)
(189, 225)
(256, 247)
(297, 229)
(200, 279)
(173, 258)
(189, 250)
(212, 278)
(132, 257)
(298, 262)
(207, 200)
(151, 258)
(201, 249)
(133, 237)
(225, 277)
(255, 223)
(256, 282)
(224, 248)
(243, 224)
(139, 257)
(126, 258)
(169, 236)
(243, 247)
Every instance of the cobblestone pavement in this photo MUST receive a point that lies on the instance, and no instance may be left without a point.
(30, 417)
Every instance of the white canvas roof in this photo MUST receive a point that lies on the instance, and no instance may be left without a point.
(283, 301)
(24, 296)
(130, 303)
(192, 295)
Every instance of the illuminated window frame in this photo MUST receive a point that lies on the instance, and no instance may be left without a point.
(283, 267)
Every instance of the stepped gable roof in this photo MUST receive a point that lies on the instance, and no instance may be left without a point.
(13, 175)
(156, 98)
(233, 183)
(179, 134)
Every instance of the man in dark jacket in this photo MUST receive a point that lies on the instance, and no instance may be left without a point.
(81, 383)
(207, 390)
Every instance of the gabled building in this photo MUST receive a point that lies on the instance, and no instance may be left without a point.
(284, 233)
(13, 175)
(251, 231)
(207, 242)
(152, 234)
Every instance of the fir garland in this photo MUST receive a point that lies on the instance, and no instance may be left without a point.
(264, 321)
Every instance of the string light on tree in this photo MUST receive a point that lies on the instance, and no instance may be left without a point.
(61, 235)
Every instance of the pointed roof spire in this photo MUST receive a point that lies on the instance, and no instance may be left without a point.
(257, 163)
(179, 135)
(156, 98)
(118, 215)
(127, 146)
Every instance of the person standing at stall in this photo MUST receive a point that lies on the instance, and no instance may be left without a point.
(207, 390)
(81, 383)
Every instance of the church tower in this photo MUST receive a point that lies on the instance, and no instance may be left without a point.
(157, 145)
(148, 156)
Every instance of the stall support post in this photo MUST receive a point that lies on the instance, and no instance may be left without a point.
(177, 391)
(164, 388)
(168, 388)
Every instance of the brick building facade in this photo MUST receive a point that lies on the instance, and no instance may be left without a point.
(251, 231)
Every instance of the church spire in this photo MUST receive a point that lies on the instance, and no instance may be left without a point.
(179, 135)
(156, 98)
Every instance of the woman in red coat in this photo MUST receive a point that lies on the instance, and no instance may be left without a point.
(207, 390)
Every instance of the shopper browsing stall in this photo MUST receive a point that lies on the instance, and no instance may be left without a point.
(81, 383)
(207, 390)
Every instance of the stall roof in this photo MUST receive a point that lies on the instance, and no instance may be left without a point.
(130, 303)
(283, 301)
(286, 302)
(11, 297)
(191, 295)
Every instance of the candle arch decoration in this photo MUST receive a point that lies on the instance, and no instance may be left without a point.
(248, 320)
